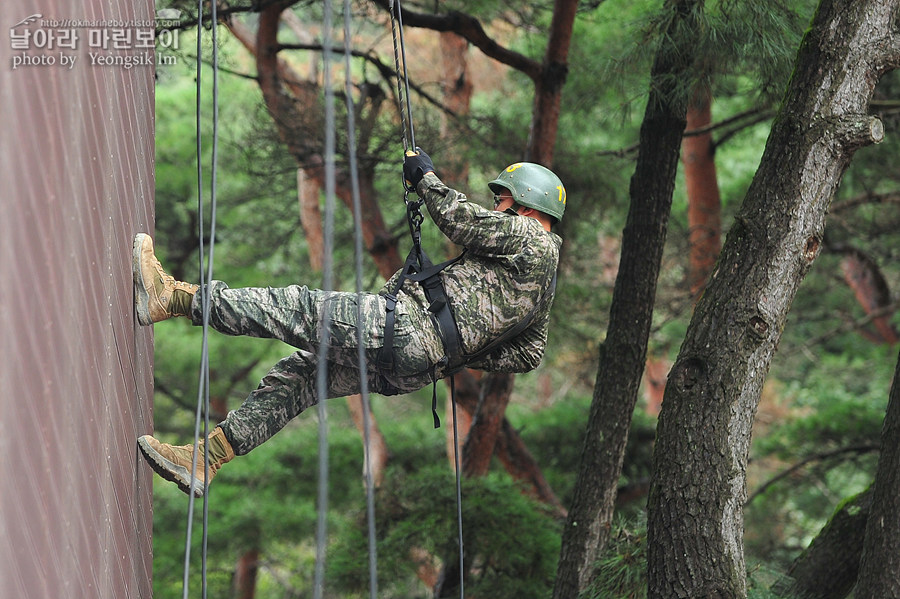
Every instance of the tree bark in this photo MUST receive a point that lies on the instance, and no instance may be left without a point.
(509, 447)
(457, 91)
(548, 86)
(456, 95)
(486, 424)
(284, 91)
(521, 465)
(655, 372)
(879, 572)
(311, 219)
(623, 354)
(244, 582)
(695, 523)
(871, 291)
(382, 246)
(376, 454)
(702, 186)
(548, 76)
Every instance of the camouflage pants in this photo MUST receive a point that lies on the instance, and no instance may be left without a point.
(294, 315)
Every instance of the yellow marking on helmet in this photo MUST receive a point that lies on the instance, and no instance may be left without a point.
(513, 167)
(562, 194)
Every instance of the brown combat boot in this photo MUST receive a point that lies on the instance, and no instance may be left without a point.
(157, 295)
(173, 462)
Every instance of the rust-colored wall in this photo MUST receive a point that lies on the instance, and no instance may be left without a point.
(76, 182)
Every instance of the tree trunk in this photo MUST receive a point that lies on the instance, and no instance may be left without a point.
(655, 372)
(457, 97)
(244, 582)
(454, 170)
(509, 448)
(311, 219)
(871, 291)
(702, 186)
(623, 354)
(695, 523)
(376, 454)
(879, 572)
(486, 424)
(284, 111)
(548, 86)
(829, 566)
(463, 424)
(276, 79)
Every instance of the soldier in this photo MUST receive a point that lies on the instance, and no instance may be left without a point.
(498, 296)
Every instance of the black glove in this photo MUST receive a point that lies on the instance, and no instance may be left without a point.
(415, 166)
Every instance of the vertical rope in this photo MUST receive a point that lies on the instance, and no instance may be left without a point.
(409, 137)
(405, 108)
(327, 284)
(358, 263)
(459, 523)
(198, 111)
(203, 386)
(214, 26)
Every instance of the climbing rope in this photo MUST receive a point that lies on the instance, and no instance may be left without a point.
(406, 124)
(358, 267)
(415, 218)
(203, 386)
(325, 323)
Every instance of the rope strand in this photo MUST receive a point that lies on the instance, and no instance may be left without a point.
(358, 263)
(415, 218)
(409, 138)
(202, 411)
(325, 324)
(214, 26)
(459, 522)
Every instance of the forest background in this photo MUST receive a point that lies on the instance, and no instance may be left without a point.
(815, 435)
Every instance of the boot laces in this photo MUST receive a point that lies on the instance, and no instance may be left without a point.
(182, 286)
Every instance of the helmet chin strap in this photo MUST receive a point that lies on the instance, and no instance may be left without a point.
(514, 209)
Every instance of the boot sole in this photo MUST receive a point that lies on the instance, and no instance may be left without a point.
(141, 297)
(169, 470)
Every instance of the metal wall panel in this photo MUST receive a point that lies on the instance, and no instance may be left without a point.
(76, 183)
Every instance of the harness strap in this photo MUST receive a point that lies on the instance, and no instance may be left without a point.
(385, 359)
(418, 268)
(439, 304)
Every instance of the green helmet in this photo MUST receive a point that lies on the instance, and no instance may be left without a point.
(534, 186)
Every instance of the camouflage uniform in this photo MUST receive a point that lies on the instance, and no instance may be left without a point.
(507, 268)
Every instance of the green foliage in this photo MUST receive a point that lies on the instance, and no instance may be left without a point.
(621, 571)
(554, 436)
(838, 402)
(264, 500)
(831, 415)
(511, 543)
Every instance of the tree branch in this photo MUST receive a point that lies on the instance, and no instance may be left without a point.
(816, 457)
(470, 28)
(866, 198)
(859, 323)
(739, 122)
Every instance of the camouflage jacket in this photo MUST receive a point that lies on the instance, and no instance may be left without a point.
(507, 269)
